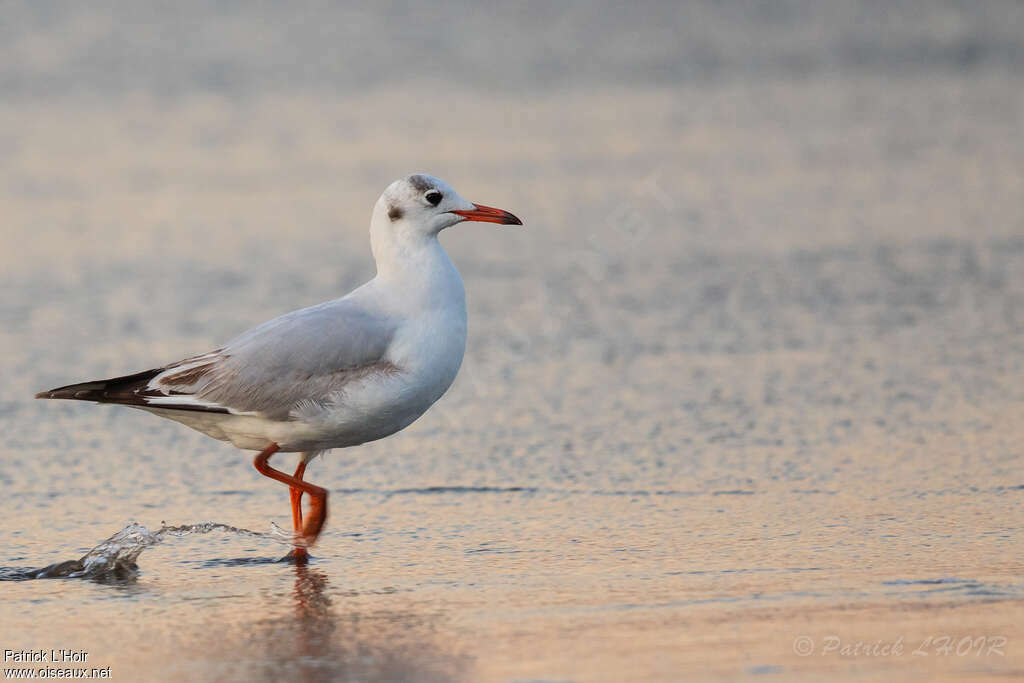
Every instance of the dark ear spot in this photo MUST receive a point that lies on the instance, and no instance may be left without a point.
(395, 212)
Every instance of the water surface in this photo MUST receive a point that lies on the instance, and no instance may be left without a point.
(751, 376)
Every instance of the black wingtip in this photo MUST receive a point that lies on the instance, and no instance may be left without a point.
(55, 393)
(116, 390)
(130, 390)
(86, 391)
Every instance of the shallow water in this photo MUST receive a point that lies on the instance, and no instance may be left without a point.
(744, 392)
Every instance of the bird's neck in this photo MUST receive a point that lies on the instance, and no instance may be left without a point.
(418, 267)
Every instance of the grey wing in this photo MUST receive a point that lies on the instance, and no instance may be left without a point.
(300, 357)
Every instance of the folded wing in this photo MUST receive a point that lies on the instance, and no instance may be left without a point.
(302, 357)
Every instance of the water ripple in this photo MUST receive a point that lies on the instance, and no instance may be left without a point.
(114, 560)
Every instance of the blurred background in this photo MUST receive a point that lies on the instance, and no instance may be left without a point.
(760, 338)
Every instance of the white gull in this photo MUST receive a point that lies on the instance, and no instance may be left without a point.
(337, 374)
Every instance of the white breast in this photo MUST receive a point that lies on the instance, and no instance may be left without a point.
(426, 352)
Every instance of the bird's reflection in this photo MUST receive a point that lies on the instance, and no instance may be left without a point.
(321, 641)
(315, 623)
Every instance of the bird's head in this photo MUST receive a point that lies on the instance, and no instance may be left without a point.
(420, 205)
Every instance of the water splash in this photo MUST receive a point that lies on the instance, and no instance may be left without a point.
(114, 559)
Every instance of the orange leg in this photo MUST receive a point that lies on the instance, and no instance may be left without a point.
(308, 529)
(298, 554)
(297, 498)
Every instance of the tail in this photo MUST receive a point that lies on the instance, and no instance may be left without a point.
(128, 390)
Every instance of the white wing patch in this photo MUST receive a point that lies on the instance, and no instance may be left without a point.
(190, 401)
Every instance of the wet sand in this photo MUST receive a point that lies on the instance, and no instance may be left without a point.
(746, 387)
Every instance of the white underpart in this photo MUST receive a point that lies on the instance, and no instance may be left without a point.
(385, 352)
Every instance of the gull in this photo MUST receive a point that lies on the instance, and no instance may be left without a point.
(334, 375)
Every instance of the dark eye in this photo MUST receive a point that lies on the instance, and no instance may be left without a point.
(434, 197)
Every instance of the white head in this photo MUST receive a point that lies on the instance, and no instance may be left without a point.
(416, 208)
